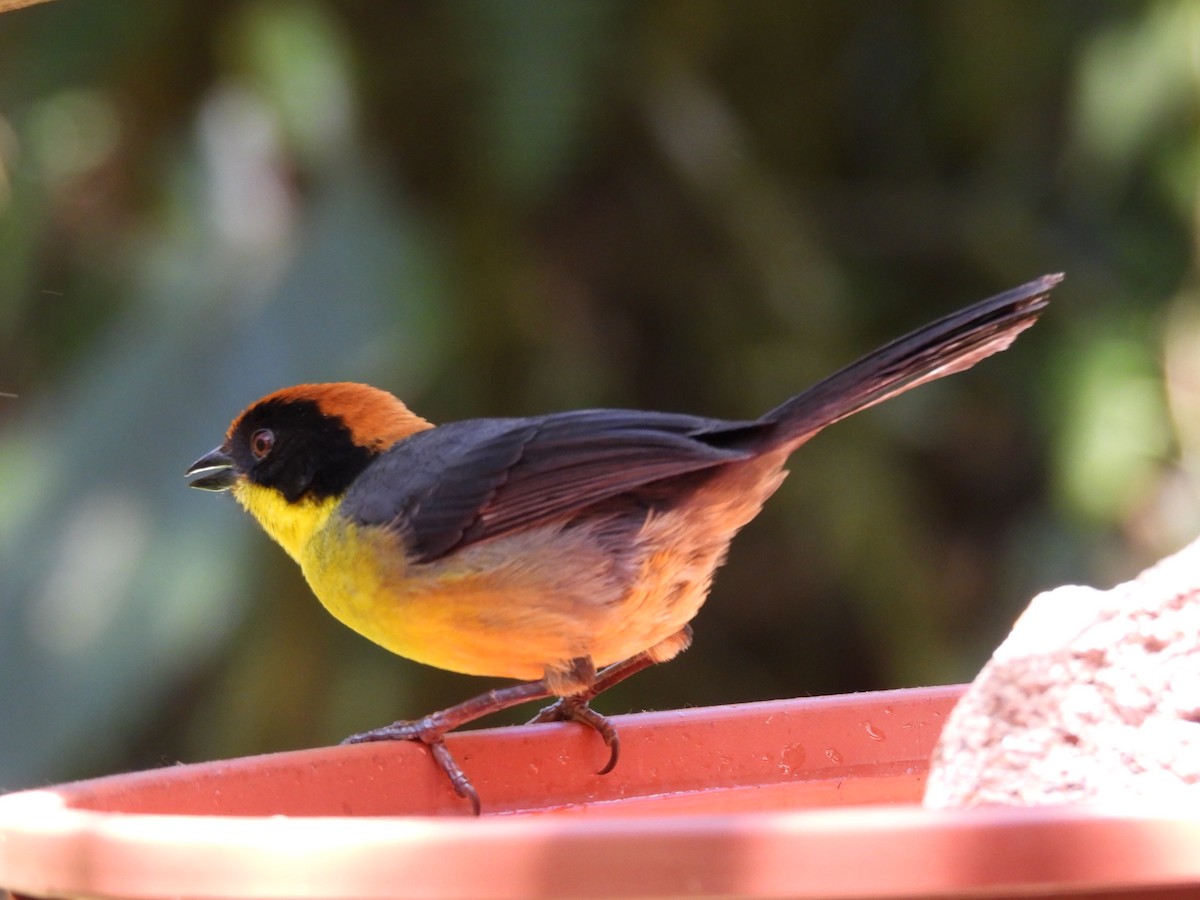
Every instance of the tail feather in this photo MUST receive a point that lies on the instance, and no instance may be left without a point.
(951, 344)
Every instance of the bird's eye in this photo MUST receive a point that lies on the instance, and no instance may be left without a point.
(261, 442)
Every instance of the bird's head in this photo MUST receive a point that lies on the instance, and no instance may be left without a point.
(289, 457)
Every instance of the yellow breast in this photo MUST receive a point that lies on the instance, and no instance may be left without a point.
(465, 614)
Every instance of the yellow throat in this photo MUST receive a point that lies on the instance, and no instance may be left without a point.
(291, 525)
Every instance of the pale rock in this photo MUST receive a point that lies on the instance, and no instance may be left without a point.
(1093, 697)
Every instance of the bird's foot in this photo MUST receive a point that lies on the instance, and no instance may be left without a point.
(430, 731)
(575, 709)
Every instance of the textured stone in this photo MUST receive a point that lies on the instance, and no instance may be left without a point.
(1093, 697)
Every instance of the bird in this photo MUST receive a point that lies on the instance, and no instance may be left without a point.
(564, 551)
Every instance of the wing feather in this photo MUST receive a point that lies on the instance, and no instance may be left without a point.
(471, 481)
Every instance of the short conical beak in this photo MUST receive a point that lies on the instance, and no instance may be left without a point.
(215, 469)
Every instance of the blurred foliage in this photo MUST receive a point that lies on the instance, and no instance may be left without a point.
(508, 208)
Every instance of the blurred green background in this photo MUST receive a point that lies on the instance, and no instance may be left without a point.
(509, 208)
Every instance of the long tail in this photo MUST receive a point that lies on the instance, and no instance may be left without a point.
(949, 345)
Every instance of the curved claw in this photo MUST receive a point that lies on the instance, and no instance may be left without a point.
(458, 778)
(614, 754)
(430, 734)
(432, 728)
(576, 709)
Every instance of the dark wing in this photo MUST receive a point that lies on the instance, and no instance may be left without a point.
(470, 481)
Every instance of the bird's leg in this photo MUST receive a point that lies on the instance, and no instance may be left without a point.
(575, 708)
(431, 730)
